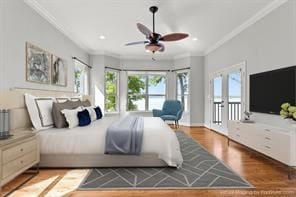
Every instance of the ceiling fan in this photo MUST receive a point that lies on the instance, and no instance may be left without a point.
(153, 42)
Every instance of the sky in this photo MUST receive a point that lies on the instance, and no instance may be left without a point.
(234, 86)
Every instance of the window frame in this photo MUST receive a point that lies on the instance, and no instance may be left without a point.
(186, 108)
(146, 95)
(117, 95)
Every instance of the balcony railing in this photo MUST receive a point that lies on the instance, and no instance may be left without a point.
(234, 111)
(217, 117)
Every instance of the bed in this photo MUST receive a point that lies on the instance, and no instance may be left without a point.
(84, 146)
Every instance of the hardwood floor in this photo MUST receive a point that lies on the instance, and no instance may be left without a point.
(268, 176)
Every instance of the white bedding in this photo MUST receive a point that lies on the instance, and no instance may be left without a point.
(158, 138)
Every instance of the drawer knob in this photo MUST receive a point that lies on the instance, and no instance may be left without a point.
(22, 161)
(267, 138)
(21, 150)
(238, 135)
(267, 147)
(267, 130)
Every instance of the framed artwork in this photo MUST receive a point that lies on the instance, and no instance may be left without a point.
(58, 71)
(38, 63)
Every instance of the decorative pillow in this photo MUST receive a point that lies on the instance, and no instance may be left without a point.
(98, 112)
(92, 113)
(39, 111)
(58, 118)
(84, 118)
(76, 104)
(44, 106)
(86, 103)
(71, 116)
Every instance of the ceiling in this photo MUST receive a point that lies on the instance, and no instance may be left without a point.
(207, 20)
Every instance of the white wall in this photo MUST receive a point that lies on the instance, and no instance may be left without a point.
(197, 91)
(269, 44)
(195, 115)
(146, 64)
(19, 24)
(1, 46)
(97, 79)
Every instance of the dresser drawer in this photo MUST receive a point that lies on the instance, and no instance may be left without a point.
(18, 150)
(16, 165)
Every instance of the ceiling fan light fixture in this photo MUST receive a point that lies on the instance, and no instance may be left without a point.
(153, 40)
(152, 47)
(195, 39)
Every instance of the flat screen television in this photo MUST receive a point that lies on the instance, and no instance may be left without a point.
(270, 89)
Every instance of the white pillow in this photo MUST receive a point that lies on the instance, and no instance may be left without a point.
(71, 116)
(92, 112)
(40, 111)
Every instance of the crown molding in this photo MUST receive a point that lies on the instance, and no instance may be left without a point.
(52, 20)
(255, 18)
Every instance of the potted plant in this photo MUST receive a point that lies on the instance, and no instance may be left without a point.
(288, 111)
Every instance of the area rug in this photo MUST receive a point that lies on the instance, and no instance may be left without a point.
(200, 170)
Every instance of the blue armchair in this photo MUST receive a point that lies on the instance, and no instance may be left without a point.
(171, 110)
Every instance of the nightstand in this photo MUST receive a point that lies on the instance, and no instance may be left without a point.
(18, 154)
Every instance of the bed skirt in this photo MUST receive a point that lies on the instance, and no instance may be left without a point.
(102, 160)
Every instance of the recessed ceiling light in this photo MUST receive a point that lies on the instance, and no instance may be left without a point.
(147, 51)
(194, 39)
(102, 37)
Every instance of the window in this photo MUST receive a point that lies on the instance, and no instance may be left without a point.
(111, 91)
(81, 78)
(146, 91)
(183, 88)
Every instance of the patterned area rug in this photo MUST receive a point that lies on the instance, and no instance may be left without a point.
(200, 170)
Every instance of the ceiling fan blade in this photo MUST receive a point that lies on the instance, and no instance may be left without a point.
(162, 48)
(173, 37)
(142, 28)
(138, 42)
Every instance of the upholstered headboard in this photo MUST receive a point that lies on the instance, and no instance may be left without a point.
(13, 99)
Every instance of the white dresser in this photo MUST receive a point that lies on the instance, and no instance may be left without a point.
(17, 154)
(274, 142)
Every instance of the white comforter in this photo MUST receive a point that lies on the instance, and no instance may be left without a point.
(158, 138)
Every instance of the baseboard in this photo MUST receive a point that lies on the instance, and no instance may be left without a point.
(191, 124)
(207, 126)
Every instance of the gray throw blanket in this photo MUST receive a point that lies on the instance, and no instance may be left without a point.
(125, 136)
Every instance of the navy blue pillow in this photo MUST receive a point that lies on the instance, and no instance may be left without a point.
(84, 118)
(98, 112)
